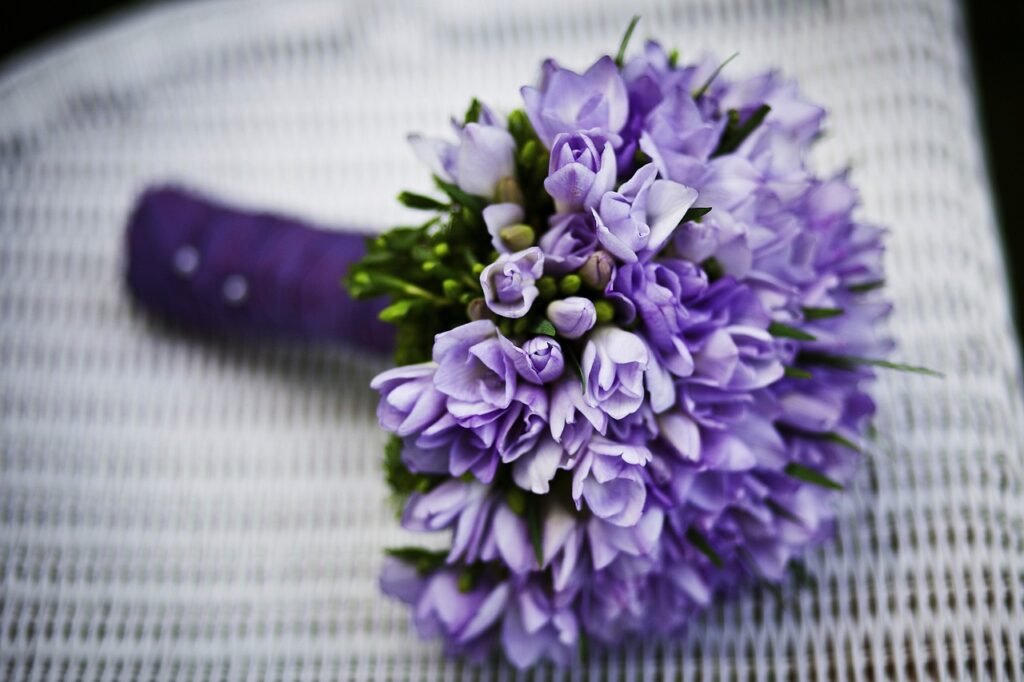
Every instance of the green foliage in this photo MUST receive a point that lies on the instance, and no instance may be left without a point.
(784, 331)
(698, 540)
(695, 213)
(620, 56)
(851, 362)
(812, 476)
(821, 313)
(699, 92)
(737, 131)
(423, 560)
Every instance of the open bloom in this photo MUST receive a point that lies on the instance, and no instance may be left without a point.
(613, 366)
(568, 101)
(638, 219)
(409, 403)
(569, 242)
(483, 156)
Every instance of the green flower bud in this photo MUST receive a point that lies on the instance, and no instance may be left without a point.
(605, 311)
(517, 237)
(451, 288)
(570, 284)
(441, 250)
(508, 192)
(547, 286)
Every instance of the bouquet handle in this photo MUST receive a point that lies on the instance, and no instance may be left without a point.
(223, 271)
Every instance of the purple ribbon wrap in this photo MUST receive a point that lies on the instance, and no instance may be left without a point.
(221, 270)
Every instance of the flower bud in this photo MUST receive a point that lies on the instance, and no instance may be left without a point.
(570, 284)
(477, 309)
(598, 269)
(517, 237)
(604, 310)
(573, 317)
(508, 192)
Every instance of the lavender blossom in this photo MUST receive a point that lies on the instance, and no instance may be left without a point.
(582, 169)
(509, 283)
(568, 102)
(638, 219)
(573, 316)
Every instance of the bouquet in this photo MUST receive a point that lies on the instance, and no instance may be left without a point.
(634, 340)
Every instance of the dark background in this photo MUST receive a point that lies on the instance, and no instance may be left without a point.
(996, 35)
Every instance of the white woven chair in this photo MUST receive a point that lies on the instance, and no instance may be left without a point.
(182, 510)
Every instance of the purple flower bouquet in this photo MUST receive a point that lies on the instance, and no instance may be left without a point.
(634, 340)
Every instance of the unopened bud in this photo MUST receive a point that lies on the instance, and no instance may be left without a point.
(508, 192)
(477, 309)
(517, 237)
(570, 284)
(598, 269)
(605, 311)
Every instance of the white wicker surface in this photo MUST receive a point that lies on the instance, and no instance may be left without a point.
(174, 509)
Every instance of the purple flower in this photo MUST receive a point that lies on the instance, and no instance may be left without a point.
(535, 628)
(484, 155)
(613, 365)
(608, 478)
(568, 102)
(656, 292)
(443, 506)
(509, 283)
(573, 419)
(499, 216)
(573, 316)
(440, 608)
(473, 370)
(539, 360)
(638, 219)
(679, 138)
(607, 540)
(581, 170)
(569, 242)
(676, 436)
(408, 401)
(534, 470)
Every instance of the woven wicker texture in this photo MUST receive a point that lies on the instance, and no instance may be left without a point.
(174, 508)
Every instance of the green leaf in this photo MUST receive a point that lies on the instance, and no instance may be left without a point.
(569, 353)
(850, 362)
(533, 525)
(713, 269)
(466, 200)
(515, 498)
(396, 311)
(714, 74)
(545, 328)
(620, 56)
(473, 112)
(821, 313)
(812, 476)
(797, 373)
(424, 560)
(736, 131)
(838, 439)
(865, 287)
(784, 331)
(704, 547)
(695, 213)
(898, 366)
(421, 202)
